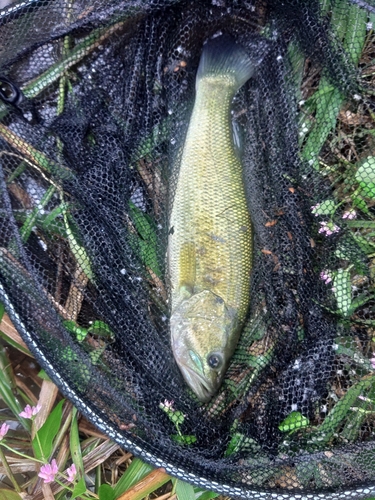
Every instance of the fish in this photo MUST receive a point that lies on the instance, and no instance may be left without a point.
(209, 254)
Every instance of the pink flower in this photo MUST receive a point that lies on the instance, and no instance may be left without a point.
(167, 405)
(49, 471)
(363, 398)
(71, 471)
(372, 361)
(30, 411)
(350, 214)
(325, 276)
(3, 430)
(328, 228)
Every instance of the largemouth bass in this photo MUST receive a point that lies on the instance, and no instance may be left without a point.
(210, 243)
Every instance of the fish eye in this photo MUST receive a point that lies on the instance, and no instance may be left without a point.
(215, 360)
(8, 92)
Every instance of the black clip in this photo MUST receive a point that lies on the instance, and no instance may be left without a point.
(12, 95)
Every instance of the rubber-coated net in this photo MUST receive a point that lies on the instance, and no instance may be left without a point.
(96, 100)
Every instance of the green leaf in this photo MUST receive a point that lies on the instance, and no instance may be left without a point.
(205, 495)
(50, 218)
(184, 438)
(234, 444)
(365, 176)
(365, 224)
(9, 495)
(75, 446)
(101, 329)
(365, 244)
(2, 311)
(339, 412)
(29, 223)
(294, 421)
(343, 290)
(77, 249)
(8, 390)
(359, 301)
(328, 104)
(146, 243)
(78, 331)
(339, 20)
(158, 135)
(134, 473)
(106, 492)
(43, 441)
(43, 375)
(327, 207)
(356, 31)
(184, 490)
(355, 355)
(360, 203)
(79, 488)
(14, 344)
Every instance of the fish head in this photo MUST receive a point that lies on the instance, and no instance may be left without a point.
(204, 335)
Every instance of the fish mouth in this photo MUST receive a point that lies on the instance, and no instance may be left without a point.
(203, 388)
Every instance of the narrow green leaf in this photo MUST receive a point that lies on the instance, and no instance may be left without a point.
(75, 446)
(50, 218)
(365, 176)
(43, 441)
(9, 495)
(14, 344)
(366, 224)
(184, 490)
(146, 243)
(359, 301)
(79, 488)
(76, 248)
(7, 390)
(365, 244)
(28, 225)
(360, 203)
(327, 108)
(2, 311)
(339, 20)
(339, 412)
(54, 72)
(342, 290)
(356, 356)
(134, 473)
(356, 31)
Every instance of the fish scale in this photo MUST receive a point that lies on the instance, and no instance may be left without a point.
(210, 246)
(210, 209)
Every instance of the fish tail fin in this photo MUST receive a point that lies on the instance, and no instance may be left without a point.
(223, 56)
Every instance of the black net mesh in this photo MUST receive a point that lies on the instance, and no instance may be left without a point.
(96, 102)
